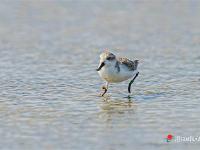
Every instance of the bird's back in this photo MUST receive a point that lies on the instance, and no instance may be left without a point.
(131, 65)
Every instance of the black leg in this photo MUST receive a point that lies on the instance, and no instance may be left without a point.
(129, 86)
(105, 88)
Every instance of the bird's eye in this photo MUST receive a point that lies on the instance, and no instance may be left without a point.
(109, 58)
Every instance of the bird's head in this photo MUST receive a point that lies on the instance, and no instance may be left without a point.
(106, 58)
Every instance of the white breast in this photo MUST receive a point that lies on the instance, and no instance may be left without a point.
(111, 74)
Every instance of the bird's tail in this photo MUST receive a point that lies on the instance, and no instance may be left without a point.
(136, 64)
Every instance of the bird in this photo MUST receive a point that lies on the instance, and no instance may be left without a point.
(114, 69)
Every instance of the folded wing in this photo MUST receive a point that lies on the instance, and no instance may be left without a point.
(131, 65)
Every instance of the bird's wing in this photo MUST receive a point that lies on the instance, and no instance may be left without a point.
(132, 65)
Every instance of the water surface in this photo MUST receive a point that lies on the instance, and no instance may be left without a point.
(49, 89)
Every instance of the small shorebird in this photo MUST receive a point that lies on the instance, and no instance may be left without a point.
(115, 70)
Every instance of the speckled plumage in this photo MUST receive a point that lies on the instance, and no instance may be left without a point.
(132, 65)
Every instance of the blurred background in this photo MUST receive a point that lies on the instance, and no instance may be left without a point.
(49, 50)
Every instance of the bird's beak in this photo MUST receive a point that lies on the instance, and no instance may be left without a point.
(100, 66)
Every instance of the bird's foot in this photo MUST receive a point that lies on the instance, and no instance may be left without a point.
(105, 90)
(129, 97)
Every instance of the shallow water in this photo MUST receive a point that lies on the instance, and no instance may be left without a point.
(49, 88)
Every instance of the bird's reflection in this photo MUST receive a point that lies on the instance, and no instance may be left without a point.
(114, 108)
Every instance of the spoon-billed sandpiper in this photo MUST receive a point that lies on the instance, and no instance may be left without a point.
(113, 70)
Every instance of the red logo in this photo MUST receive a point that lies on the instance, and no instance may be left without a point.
(169, 137)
